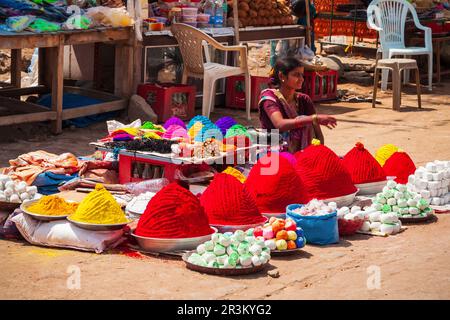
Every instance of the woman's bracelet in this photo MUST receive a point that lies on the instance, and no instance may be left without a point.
(315, 119)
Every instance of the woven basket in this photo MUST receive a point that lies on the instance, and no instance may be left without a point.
(349, 227)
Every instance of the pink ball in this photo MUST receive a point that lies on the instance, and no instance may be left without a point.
(268, 233)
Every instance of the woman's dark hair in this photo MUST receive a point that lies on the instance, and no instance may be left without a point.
(299, 8)
(284, 65)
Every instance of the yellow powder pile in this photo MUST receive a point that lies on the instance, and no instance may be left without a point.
(385, 152)
(99, 207)
(53, 206)
(235, 173)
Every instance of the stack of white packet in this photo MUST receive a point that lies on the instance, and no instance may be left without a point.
(432, 182)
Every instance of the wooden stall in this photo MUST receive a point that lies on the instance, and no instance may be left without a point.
(51, 62)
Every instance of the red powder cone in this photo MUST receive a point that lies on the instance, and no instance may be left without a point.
(173, 212)
(400, 165)
(362, 166)
(228, 202)
(274, 184)
(323, 173)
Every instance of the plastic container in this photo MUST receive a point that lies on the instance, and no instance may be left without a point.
(192, 18)
(203, 18)
(156, 26)
(320, 230)
(189, 11)
(192, 24)
(349, 227)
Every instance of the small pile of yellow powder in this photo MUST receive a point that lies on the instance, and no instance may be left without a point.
(53, 206)
(235, 173)
(99, 207)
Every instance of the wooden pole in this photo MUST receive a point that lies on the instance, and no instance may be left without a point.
(236, 21)
(58, 87)
(16, 67)
(308, 24)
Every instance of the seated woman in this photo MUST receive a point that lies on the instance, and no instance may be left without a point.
(292, 113)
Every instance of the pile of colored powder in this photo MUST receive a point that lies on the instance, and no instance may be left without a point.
(99, 207)
(151, 126)
(130, 131)
(173, 212)
(228, 202)
(225, 123)
(195, 129)
(289, 157)
(235, 173)
(175, 131)
(237, 130)
(199, 118)
(275, 184)
(174, 121)
(362, 166)
(152, 135)
(323, 173)
(53, 206)
(384, 152)
(399, 165)
(208, 131)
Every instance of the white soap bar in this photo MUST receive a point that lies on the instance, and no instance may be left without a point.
(425, 194)
(411, 186)
(433, 193)
(428, 176)
(375, 225)
(411, 203)
(413, 211)
(385, 189)
(398, 195)
(391, 184)
(377, 206)
(375, 216)
(411, 178)
(433, 185)
(402, 203)
(355, 209)
(391, 201)
(365, 226)
(431, 167)
(436, 201)
(439, 165)
(401, 187)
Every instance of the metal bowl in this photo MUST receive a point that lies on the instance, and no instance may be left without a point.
(166, 244)
(286, 252)
(343, 201)
(371, 187)
(37, 216)
(281, 215)
(244, 227)
(429, 217)
(98, 227)
(222, 271)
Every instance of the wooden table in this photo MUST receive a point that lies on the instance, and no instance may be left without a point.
(51, 62)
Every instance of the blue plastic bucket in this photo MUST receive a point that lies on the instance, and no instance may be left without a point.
(318, 229)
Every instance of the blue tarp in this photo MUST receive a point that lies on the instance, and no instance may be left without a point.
(70, 101)
(48, 182)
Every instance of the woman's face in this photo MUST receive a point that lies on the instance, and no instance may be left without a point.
(294, 79)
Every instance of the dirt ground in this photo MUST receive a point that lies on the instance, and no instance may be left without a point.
(410, 265)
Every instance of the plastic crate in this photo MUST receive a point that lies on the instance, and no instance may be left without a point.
(235, 97)
(169, 100)
(136, 169)
(320, 85)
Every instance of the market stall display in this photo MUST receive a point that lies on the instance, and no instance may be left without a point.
(16, 192)
(274, 185)
(367, 174)
(231, 251)
(262, 13)
(324, 175)
(229, 204)
(49, 208)
(432, 182)
(399, 165)
(281, 235)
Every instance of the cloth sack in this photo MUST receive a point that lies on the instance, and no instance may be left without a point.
(63, 234)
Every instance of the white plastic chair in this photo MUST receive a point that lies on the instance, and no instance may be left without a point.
(388, 17)
(191, 41)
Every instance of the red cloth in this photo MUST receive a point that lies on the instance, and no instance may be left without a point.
(362, 166)
(274, 184)
(400, 165)
(228, 202)
(173, 212)
(323, 173)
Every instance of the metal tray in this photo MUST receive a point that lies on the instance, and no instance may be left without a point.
(9, 206)
(166, 245)
(281, 215)
(371, 187)
(222, 271)
(429, 217)
(98, 227)
(343, 201)
(288, 252)
(37, 216)
(224, 228)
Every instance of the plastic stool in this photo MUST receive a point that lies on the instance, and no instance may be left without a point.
(396, 65)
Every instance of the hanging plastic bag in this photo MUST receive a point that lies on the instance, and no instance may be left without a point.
(19, 23)
(42, 25)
